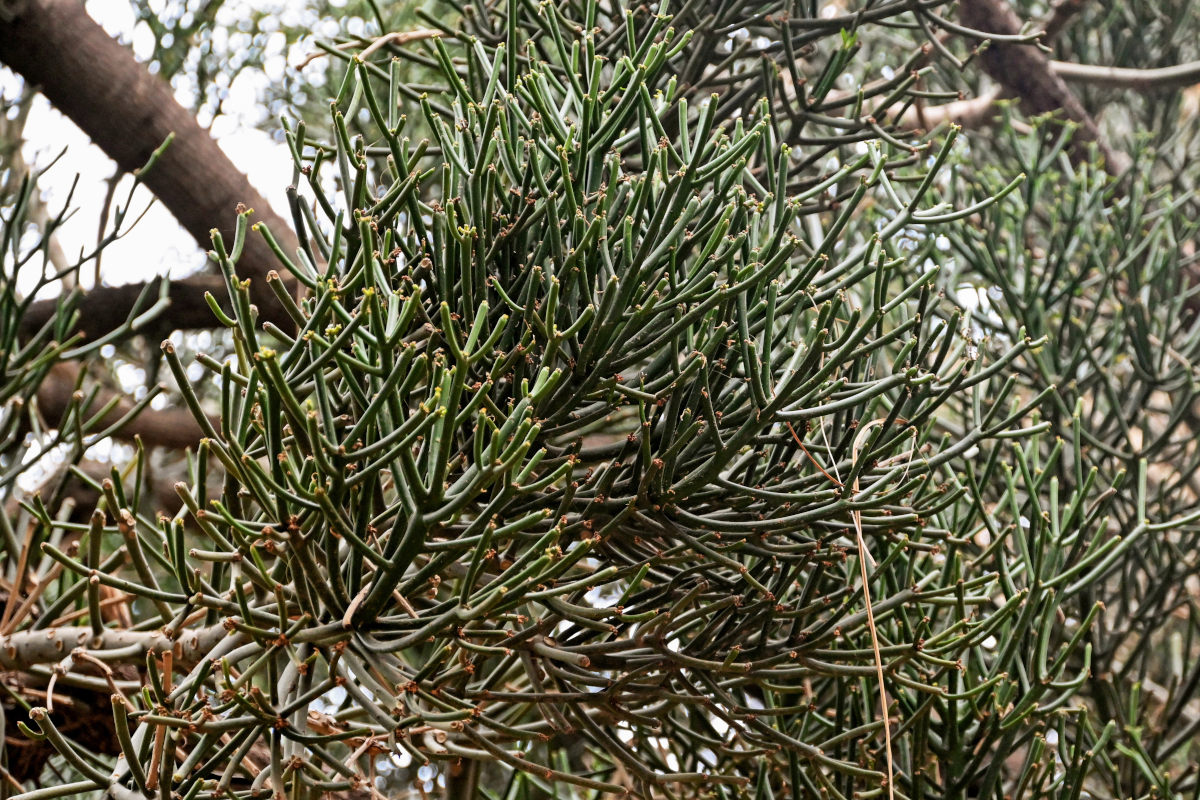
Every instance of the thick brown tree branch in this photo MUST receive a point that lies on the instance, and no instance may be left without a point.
(975, 111)
(1038, 83)
(972, 112)
(129, 113)
(1063, 12)
(172, 427)
(107, 308)
(1026, 72)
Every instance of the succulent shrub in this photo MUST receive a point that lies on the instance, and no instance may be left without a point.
(603, 453)
(656, 418)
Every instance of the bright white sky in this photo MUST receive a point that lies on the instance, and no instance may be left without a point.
(157, 245)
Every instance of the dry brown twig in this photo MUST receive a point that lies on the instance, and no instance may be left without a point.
(863, 556)
(865, 562)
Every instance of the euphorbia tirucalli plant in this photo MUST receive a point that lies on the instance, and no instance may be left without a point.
(624, 440)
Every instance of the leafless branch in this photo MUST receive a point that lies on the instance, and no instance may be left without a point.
(1159, 79)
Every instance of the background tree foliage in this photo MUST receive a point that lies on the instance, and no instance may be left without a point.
(741, 399)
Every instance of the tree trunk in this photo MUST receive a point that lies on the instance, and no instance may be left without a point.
(129, 113)
(1026, 73)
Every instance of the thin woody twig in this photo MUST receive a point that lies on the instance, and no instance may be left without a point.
(395, 37)
(863, 556)
(38, 588)
(810, 455)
